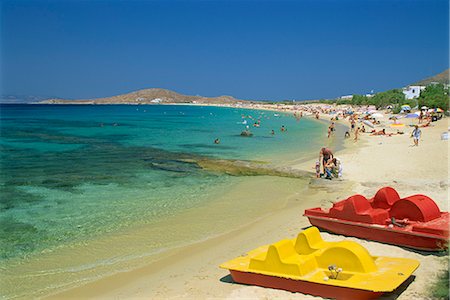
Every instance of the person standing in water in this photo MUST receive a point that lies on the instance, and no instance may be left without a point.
(356, 134)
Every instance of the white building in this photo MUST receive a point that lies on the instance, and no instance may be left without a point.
(413, 91)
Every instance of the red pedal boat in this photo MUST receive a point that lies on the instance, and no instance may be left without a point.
(414, 221)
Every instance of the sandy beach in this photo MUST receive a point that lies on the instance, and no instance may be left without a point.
(192, 272)
(150, 149)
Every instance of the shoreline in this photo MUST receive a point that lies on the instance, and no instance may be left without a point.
(192, 271)
(56, 266)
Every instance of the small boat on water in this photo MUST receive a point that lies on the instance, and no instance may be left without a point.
(414, 221)
(310, 265)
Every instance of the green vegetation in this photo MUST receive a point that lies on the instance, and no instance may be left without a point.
(434, 96)
(394, 97)
(439, 290)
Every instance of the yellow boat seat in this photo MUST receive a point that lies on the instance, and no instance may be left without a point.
(309, 240)
(348, 255)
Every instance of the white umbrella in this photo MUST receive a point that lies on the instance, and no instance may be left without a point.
(424, 107)
(377, 115)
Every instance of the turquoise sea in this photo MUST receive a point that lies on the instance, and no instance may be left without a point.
(72, 173)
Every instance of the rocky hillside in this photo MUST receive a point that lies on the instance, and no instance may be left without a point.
(441, 78)
(148, 96)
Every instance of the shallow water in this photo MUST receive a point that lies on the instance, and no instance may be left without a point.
(73, 175)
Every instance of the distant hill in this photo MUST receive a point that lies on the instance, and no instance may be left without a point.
(440, 78)
(17, 99)
(149, 96)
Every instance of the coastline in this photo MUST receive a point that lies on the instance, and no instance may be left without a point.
(192, 271)
(74, 264)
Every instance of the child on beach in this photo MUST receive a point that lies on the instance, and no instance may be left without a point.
(416, 133)
(317, 169)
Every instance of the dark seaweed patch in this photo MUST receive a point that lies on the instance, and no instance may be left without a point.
(207, 146)
(18, 237)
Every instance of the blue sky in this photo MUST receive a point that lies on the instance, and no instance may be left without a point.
(248, 49)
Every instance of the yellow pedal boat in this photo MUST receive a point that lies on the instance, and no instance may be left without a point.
(310, 265)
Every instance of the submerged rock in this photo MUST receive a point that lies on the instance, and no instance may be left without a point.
(250, 168)
(246, 133)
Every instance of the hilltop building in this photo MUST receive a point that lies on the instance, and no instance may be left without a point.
(413, 91)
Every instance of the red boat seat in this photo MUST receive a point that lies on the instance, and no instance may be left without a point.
(357, 208)
(385, 198)
(419, 208)
(437, 226)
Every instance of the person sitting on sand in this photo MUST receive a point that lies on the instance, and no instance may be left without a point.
(337, 170)
(363, 129)
(329, 167)
(347, 135)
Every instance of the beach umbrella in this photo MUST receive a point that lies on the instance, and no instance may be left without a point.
(411, 116)
(424, 107)
(372, 111)
(368, 123)
(439, 110)
(378, 115)
(405, 107)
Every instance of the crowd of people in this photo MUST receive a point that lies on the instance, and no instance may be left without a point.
(328, 166)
